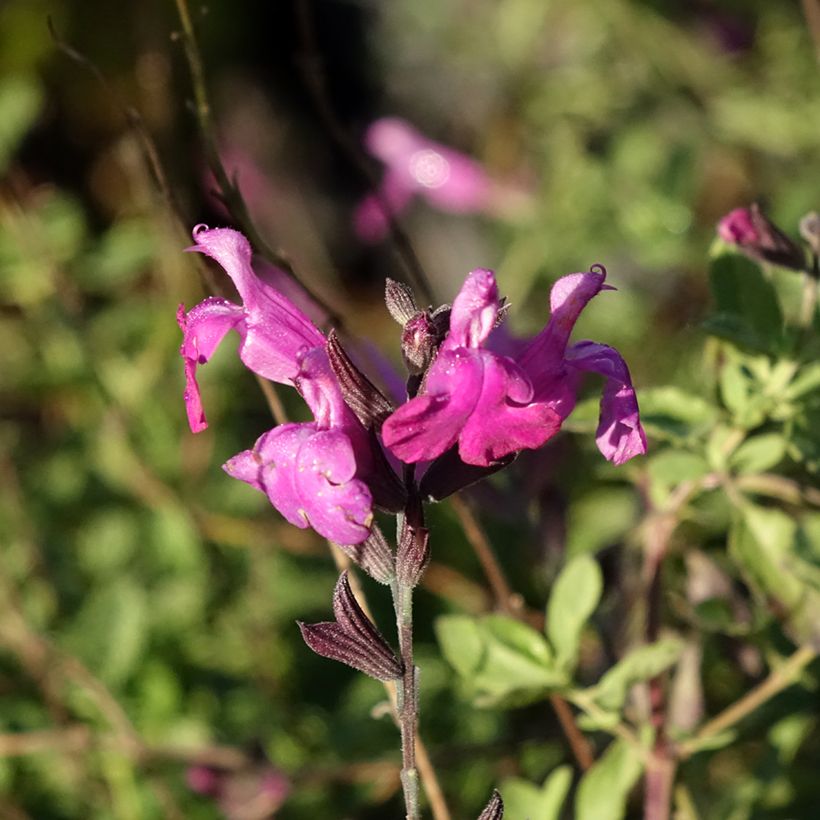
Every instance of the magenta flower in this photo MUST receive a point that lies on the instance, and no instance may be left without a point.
(556, 369)
(308, 470)
(753, 233)
(447, 179)
(493, 405)
(472, 396)
(311, 472)
(272, 328)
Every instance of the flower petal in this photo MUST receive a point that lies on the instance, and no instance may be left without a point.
(474, 311)
(542, 360)
(338, 506)
(499, 425)
(272, 468)
(203, 328)
(276, 329)
(424, 427)
(308, 475)
(620, 435)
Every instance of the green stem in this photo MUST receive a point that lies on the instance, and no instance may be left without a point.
(778, 680)
(407, 700)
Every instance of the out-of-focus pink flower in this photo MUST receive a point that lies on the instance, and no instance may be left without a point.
(415, 165)
(311, 472)
(752, 232)
(494, 404)
(254, 793)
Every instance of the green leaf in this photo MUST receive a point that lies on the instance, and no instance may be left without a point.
(461, 642)
(502, 660)
(111, 630)
(524, 801)
(758, 454)
(640, 664)
(764, 543)
(806, 381)
(21, 99)
(604, 789)
(575, 594)
(672, 414)
(600, 518)
(742, 292)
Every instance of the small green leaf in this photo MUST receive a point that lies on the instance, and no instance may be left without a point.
(640, 664)
(672, 414)
(600, 518)
(575, 594)
(764, 543)
(461, 643)
(742, 291)
(502, 660)
(806, 381)
(528, 802)
(111, 630)
(21, 100)
(604, 789)
(758, 454)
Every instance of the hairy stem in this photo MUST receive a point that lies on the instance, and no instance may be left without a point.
(407, 698)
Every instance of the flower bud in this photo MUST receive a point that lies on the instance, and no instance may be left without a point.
(760, 239)
(374, 556)
(413, 554)
(353, 638)
(494, 810)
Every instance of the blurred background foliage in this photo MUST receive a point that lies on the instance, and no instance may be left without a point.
(148, 602)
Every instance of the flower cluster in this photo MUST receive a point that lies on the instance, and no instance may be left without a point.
(477, 398)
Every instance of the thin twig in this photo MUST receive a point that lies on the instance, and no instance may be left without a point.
(811, 9)
(778, 680)
(229, 192)
(317, 85)
(513, 605)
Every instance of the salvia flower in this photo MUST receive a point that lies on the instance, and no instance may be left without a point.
(753, 233)
(415, 165)
(492, 405)
(311, 472)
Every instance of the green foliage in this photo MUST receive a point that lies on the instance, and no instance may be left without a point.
(144, 591)
(524, 800)
(575, 596)
(603, 790)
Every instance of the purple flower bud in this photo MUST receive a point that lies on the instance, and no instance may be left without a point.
(420, 339)
(413, 554)
(352, 639)
(369, 404)
(374, 556)
(494, 810)
(759, 238)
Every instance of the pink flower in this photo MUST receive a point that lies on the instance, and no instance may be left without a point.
(447, 179)
(272, 328)
(313, 472)
(492, 404)
(753, 233)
